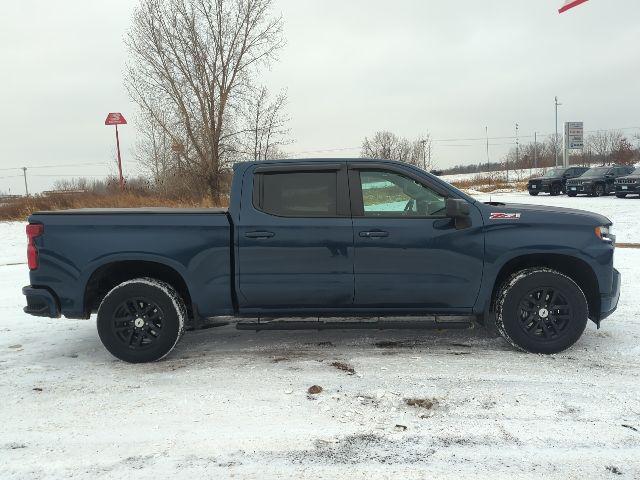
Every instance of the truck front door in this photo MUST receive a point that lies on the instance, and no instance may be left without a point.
(408, 255)
(295, 238)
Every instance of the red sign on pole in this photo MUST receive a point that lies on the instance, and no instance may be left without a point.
(115, 119)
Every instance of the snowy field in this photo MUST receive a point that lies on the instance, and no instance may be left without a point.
(231, 404)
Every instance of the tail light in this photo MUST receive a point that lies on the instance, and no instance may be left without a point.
(33, 230)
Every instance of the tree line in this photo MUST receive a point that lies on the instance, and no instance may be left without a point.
(603, 147)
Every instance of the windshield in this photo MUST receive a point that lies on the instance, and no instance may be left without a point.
(554, 172)
(596, 172)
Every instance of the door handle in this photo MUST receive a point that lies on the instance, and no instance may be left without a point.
(259, 234)
(374, 234)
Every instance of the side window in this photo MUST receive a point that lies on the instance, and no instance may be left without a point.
(297, 194)
(387, 194)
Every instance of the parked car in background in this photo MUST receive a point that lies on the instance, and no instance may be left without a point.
(597, 181)
(629, 185)
(554, 181)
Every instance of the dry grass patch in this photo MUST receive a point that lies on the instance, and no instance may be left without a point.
(21, 208)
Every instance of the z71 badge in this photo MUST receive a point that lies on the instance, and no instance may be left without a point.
(504, 216)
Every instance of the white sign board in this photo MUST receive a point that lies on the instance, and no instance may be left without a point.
(574, 135)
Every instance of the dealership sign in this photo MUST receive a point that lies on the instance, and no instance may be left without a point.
(574, 135)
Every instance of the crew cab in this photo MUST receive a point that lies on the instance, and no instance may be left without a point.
(629, 185)
(554, 181)
(597, 181)
(324, 238)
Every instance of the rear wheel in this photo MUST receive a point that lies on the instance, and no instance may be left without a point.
(555, 190)
(534, 194)
(621, 195)
(141, 320)
(540, 310)
(572, 194)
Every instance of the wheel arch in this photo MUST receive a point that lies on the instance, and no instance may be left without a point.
(575, 268)
(108, 275)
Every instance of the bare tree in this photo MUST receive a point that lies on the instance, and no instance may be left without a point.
(602, 143)
(267, 124)
(386, 145)
(623, 153)
(190, 72)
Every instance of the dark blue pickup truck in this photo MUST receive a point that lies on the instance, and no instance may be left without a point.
(324, 238)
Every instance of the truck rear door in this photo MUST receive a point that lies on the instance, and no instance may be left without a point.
(295, 238)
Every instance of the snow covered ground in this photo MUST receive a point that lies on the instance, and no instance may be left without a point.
(232, 404)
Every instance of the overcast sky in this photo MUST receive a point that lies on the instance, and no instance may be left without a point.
(351, 67)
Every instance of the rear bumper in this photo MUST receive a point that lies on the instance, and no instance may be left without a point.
(41, 302)
(609, 302)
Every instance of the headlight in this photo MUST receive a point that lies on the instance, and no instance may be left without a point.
(605, 233)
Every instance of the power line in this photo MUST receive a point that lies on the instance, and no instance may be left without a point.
(56, 166)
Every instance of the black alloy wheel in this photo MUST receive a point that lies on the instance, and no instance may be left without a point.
(598, 190)
(141, 320)
(544, 313)
(137, 323)
(540, 310)
(555, 190)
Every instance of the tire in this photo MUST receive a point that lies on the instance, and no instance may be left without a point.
(572, 194)
(533, 194)
(555, 190)
(621, 195)
(141, 320)
(598, 190)
(541, 329)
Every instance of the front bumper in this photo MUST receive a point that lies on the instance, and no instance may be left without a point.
(41, 302)
(609, 302)
(631, 188)
(588, 188)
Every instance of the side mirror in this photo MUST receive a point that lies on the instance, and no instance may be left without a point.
(458, 210)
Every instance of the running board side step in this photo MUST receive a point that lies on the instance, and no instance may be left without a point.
(319, 324)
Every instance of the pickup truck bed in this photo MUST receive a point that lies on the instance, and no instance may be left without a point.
(194, 243)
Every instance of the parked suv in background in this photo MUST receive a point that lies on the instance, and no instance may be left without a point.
(597, 181)
(629, 185)
(554, 181)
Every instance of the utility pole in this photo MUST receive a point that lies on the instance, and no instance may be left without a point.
(535, 149)
(486, 133)
(555, 143)
(26, 188)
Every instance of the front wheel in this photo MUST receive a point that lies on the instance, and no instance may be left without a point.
(141, 320)
(598, 190)
(621, 195)
(533, 194)
(540, 310)
(572, 194)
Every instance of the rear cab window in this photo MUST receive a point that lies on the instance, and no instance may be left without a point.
(297, 194)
